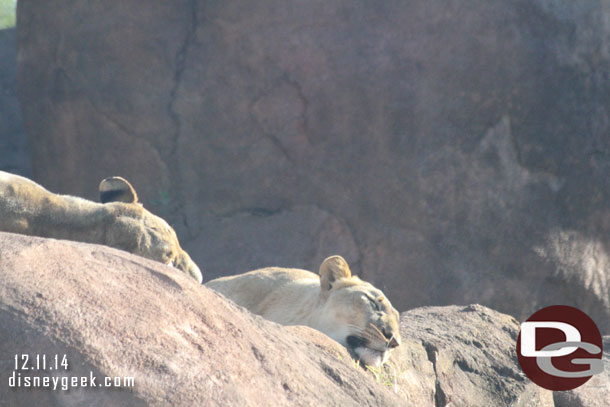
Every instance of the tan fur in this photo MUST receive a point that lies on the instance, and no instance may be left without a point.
(28, 208)
(335, 303)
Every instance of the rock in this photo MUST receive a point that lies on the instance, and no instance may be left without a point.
(115, 314)
(594, 393)
(291, 249)
(456, 153)
(13, 152)
(462, 356)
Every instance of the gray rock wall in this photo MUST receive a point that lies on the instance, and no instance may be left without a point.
(453, 151)
(13, 150)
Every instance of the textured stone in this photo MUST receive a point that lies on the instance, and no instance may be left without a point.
(286, 235)
(115, 314)
(460, 147)
(462, 356)
(594, 393)
(13, 151)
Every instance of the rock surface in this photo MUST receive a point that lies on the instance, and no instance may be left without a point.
(594, 393)
(13, 152)
(452, 151)
(115, 314)
(462, 356)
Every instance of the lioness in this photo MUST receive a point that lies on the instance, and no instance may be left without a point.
(349, 310)
(120, 222)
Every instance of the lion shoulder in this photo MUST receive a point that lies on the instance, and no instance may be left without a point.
(267, 289)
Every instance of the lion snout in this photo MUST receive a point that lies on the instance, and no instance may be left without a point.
(392, 338)
(394, 342)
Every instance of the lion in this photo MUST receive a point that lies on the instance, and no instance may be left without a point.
(120, 221)
(345, 308)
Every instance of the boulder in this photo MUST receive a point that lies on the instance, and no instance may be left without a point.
(462, 356)
(112, 314)
(594, 393)
(444, 148)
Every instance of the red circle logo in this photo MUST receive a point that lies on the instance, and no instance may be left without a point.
(559, 348)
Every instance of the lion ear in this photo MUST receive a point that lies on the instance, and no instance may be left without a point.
(117, 189)
(331, 270)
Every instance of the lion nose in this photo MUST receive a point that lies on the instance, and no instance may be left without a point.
(393, 341)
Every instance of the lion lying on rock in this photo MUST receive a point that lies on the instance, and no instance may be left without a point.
(347, 309)
(120, 221)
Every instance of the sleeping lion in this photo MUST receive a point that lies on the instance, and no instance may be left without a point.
(347, 309)
(119, 221)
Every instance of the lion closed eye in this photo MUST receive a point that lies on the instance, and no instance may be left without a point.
(347, 309)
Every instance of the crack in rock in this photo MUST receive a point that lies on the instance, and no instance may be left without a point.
(172, 159)
(440, 398)
(181, 57)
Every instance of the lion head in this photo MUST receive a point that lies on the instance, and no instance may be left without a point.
(356, 314)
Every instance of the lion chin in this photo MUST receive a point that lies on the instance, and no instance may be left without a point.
(347, 309)
(371, 357)
(366, 355)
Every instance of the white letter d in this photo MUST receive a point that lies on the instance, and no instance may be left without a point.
(528, 338)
